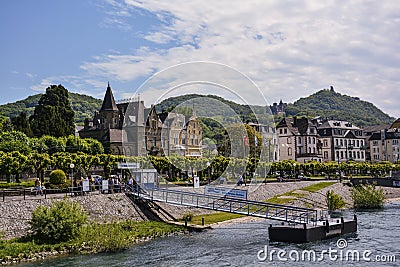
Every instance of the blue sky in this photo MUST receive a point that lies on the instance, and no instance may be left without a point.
(290, 49)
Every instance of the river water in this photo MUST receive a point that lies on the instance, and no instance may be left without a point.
(245, 244)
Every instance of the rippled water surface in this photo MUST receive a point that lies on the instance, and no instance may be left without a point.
(238, 245)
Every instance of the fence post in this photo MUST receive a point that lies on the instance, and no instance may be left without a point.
(24, 194)
(4, 196)
(202, 221)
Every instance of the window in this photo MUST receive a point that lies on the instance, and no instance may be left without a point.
(280, 131)
(341, 142)
(289, 151)
(288, 140)
(325, 154)
(326, 143)
(395, 142)
(299, 140)
(341, 154)
(285, 131)
(375, 143)
(314, 140)
(358, 143)
(309, 140)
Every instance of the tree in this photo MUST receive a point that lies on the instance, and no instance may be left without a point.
(53, 115)
(53, 144)
(14, 141)
(5, 124)
(94, 146)
(12, 163)
(39, 163)
(21, 123)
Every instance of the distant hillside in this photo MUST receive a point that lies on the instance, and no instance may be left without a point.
(329, 104)
(83, 105)
(169, 104)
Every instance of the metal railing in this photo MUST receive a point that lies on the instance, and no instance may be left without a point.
(32, 193)
(290, 214)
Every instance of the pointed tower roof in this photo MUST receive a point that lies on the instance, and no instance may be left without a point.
(109, 101)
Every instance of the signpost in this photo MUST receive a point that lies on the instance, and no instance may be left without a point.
(128, 165)
(196, 182)
(85, 186)
(104, 185)
(227, 192)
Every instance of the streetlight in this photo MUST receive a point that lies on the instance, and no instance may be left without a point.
(209, 171)
(72, 166)
(294, 171)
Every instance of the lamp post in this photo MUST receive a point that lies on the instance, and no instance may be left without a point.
(294, 170)
(72, 166)
(209, 171)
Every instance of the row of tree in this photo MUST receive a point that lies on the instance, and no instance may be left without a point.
(15, 163)
(11, 141)
(178, 167)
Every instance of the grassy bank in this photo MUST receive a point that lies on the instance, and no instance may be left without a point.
(94, 238)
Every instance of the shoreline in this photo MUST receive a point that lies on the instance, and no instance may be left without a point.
(264, 192)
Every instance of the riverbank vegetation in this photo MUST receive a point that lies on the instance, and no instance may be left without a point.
(59, 237)
(334, 201)
(367, 196)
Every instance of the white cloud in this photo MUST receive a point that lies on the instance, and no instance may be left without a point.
(289, 48)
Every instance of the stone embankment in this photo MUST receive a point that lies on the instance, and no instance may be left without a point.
(15, 213)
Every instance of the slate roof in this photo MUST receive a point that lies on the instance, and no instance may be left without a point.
(109, 101)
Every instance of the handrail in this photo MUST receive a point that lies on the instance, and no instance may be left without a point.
(235, 199)
(266, 210)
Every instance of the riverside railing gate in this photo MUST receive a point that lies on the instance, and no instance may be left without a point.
(290, 214)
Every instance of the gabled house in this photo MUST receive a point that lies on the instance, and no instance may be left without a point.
(341, 141)
(190, 137)
(384, 145)
(298, 140)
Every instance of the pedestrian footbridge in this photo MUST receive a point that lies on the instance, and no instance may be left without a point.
(284, 213)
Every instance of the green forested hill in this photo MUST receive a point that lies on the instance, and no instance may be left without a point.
(333, 105)
(83, 105)
(206, 108)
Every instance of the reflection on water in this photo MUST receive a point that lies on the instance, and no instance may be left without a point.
(238, 245)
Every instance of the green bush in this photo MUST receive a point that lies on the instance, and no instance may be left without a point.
(334, 201)
(367, 197)
(62, 221)
(57, 177)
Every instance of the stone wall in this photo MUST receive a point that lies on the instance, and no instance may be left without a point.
(15, 213)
